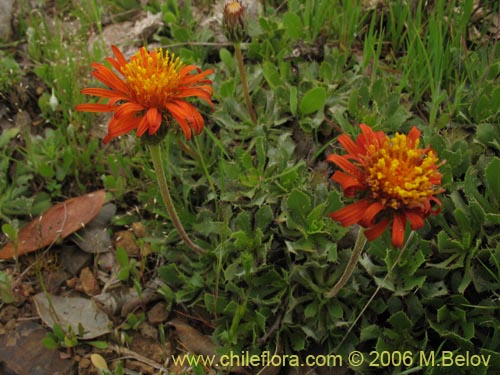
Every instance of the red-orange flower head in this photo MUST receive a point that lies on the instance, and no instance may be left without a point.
(393, 179)
(150, 87)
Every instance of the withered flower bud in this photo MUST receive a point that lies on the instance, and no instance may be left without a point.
(233, 21)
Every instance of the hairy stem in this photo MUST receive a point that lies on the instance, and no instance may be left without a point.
(244, 83)
(167, 199)
(353, 260)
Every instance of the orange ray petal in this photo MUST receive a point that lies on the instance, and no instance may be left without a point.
(128, 108)
(115, 64)
(376, 230)
(120, 126)
(188, 79)
(437, 210)
(153, 117)
(398, 230)
(192, 116)
(119, 55)
(105, 93)
(413, 135)
(371, 212)
(416, 219)
(350, 214)
(180, 116)
(345, 164)
(349, 145)
(94, 107)
(198, 121)
(199, 92)
(110, 79)
(142, 127)
(369, 137)
(185, 70)
(348, 183)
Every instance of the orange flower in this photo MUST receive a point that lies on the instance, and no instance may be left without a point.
(153, 85)
(394, 179)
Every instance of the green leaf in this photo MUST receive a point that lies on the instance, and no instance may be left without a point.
(492, 218)
(492, 173)
(297, 340)
(214, 306)
(400, 321)
(238, 315)
(471, 183)
(495, 98)
(464, 224)
(170, 274)
(263, 217)
(169, 17)
(311, 310)
(98, 344)
(46, 170)
(228, 88)
(123, 274)
(9, 231)
(488, 135)
(227, 58)
(467, 279)
(415, 281)
(293, 25)
(69, 342)
(167, 293)
(122, 257)
(242, 240)
(49, 343)
(335, 309)
(313, 101)
(299, 206)
(326, 71)
(58, 331)
(315, 218)
(243, 222)
(432, 290)
(379, 91)
(370, 332)
(481, 108)
(7, 135)
(443, 314)
(271, 74)
(6, 295)
(260, 150)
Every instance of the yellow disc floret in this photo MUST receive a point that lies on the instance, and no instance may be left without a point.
(152, 77)
(399, 174)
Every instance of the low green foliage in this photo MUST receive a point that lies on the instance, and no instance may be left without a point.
(133, 321)
(10, 74)
(6, 295)
(68, 338)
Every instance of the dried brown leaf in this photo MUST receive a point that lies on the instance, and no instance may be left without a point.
(195, 342)
(56, 223)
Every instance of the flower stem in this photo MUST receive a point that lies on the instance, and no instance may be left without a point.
(353, 260)
(167, 199)
(244, 83)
